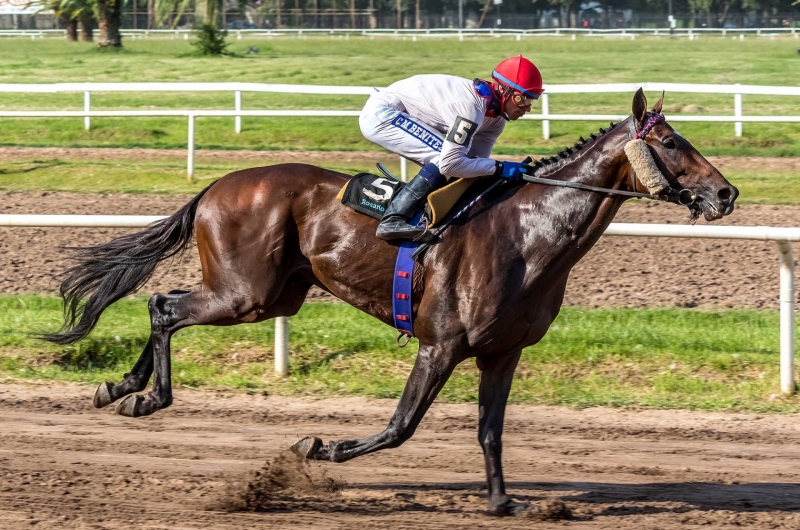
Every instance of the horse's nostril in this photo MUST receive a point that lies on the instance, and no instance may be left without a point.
(725, 194)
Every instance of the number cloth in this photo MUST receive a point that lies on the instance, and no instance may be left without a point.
(435, 118)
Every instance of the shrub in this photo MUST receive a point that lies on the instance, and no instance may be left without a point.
(211, 40)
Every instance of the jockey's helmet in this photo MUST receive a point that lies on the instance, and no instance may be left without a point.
(522, 77)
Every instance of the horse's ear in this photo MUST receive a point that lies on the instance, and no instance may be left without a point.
(639, 108)
(659, 104)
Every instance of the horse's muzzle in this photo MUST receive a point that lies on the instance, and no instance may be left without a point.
(715, 204)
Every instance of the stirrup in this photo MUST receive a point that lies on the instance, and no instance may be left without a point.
(425, 232)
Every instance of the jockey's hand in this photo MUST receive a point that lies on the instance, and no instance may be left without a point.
(512, 171)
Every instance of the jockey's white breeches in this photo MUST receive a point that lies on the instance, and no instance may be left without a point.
(391, 128)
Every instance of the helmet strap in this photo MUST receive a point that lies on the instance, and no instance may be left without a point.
(503, 94)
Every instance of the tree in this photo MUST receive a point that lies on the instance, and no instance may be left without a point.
(109, 20)
(71, 14)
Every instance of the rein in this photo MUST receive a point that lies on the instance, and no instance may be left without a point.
(683, 197)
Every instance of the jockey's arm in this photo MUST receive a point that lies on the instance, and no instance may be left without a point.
(465, 149)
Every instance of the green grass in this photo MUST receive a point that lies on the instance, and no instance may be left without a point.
(380, 62)
(652, 358)
(169, 176)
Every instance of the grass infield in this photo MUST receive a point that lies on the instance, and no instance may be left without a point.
(327, 61)
(665, 358)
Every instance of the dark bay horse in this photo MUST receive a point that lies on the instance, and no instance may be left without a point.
(492, 287)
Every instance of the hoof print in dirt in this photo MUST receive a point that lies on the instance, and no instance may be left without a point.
(102, 396)
(306, 447)
(549, 510)
(129, 406)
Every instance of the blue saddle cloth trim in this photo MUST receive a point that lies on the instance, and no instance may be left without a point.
(402, 284)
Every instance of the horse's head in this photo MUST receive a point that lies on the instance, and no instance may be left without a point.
(681, 164)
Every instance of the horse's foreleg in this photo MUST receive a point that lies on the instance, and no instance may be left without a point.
(497, 373)
(431, 370)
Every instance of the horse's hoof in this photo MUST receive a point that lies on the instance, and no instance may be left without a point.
(508, 507)
(307, 447)
(129, 406)
(102, 396)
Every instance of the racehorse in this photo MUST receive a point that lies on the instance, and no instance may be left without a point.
(491, 287)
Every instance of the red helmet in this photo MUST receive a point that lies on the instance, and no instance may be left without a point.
(521, 75)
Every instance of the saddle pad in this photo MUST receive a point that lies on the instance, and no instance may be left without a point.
(369, 194)
(441, 201)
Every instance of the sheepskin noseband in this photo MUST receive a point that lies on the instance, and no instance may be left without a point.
(642, 161)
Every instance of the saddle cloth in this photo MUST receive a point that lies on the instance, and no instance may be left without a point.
(371, 194)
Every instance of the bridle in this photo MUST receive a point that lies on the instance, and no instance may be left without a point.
(682, 196)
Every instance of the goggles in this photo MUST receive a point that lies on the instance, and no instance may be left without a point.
(523, 100)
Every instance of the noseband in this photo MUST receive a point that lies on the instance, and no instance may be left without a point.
(645, 166)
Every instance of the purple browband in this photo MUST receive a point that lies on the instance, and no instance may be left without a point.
(651, 122)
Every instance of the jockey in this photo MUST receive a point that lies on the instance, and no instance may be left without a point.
(448, 125)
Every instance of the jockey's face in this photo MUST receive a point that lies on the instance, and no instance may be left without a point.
(514, 110)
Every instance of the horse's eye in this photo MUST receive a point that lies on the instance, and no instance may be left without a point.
(669, 143)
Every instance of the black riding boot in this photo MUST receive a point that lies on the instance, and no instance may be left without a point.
(395, 222)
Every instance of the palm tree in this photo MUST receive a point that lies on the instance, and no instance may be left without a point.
(109, 19)
(205, 10)
(71, 13)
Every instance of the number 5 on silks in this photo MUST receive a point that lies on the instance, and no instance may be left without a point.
(462, 131)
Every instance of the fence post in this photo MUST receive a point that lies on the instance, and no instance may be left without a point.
(545, 113)
(282, 346)
(403, 169)
(190, 154)
(238, 107)
(788, 385)
(737, 111)
(87, 106)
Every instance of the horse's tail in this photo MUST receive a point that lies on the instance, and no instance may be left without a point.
(105, 273)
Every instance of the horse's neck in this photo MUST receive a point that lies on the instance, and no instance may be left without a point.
(573, 220)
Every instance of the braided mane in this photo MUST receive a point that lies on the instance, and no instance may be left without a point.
(564, 154)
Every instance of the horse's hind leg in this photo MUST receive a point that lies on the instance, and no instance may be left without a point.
(170, 313)
(135, 381)
(431, 370)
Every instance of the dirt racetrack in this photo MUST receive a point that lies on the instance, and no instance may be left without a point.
(618, 272)
(66, 465)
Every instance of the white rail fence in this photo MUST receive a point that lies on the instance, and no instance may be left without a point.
(441, 33)
(782, 236)
(545, 116)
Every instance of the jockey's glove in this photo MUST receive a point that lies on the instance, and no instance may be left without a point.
(512, 171)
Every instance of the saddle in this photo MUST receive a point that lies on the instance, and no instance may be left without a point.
(370, 194)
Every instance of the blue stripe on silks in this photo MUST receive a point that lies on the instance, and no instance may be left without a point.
(418, 131)
(403, 286)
